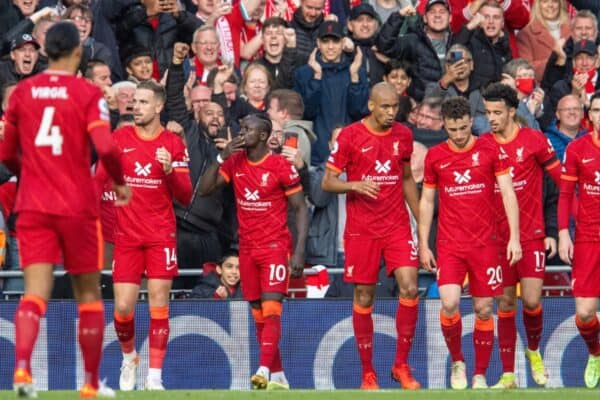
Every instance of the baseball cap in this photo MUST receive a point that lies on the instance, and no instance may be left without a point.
(330, 28)
(22, 41)
(431, 3)
(362, 8)
(585, 46)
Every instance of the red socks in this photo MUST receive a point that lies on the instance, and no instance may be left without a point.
(159, 335)
(507, 339)
(589, 332)
(27, 325)
(534, 323)
(452, 331)
(362, 322)
(483, 341)
(269, 340)
(91, 333)
(125, 329)
(406, 321)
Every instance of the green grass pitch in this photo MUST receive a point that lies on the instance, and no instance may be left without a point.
(526, 394)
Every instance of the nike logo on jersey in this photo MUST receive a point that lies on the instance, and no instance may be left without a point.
(171, 267)
(587, 160)
(496, 286)
(237, 174)
(445, 165)
(365, 149)
(128, 150)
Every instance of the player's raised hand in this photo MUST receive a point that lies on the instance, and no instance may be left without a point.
(565, 246)
(366, 188)
(297, 265)
(513, 251)
(233, 146)
(550, 246)
(164, 157)
(123, 195)
(427, 259)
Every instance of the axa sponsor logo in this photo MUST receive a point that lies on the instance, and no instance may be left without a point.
(142, 170)
(383, 167)
(463, 178)
(251, 195)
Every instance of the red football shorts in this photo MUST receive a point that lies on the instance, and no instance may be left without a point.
(133, 261)
(264, 270)
(43, 238)
(585, 276)
(531, 265)
(363, 255)
(480, 264)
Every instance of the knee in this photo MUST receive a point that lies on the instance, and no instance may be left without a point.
(530, 304)
(123, 308)
(409, 291)
(586, 315)
(506, 302)
(484, 311)
(450, 306)
(363, 297)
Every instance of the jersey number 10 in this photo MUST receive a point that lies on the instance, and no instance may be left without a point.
(48, 134)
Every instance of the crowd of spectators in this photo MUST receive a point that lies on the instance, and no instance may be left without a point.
(308, 65)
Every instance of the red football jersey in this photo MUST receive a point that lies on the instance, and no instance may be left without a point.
(528, 153)
(260, 190)
(465, 180)
(50, 121)
(379, 157)
(582, 165)
(149, 217)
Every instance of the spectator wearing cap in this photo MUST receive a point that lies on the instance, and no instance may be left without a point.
(279, 52)
(362, 27)
(488, 42)
(425, 47)
(584, 81)
(549, 26)
(584, 26)
(24, 52)
(333, 86)
(306, 21)
(155, 26)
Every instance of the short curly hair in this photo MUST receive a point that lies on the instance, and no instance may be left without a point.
(501, 92)
(455, 108)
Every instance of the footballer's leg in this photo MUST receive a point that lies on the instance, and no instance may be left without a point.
(158, 295)
(587, 323)
(126, 295)
(86, 288)
(507, 333)
(32, 307)
(531, 293)
(451, 324)
(483, 339)
(271, 306)
(362, 322)
(406, 322)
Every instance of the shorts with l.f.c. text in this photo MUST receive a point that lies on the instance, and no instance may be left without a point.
(480, 264)
(133, 261)
(363, 255)
(531, 265)
(585, 276)
(264, 270)
(43, 238)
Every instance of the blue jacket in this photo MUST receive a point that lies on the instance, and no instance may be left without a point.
(331, 101)
(558, 139)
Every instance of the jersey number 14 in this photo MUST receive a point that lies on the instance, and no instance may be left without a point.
(48, 134)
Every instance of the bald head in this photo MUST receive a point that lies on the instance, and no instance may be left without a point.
(382, 89)
(569, 112)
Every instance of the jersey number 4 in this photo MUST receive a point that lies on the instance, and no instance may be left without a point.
(48, 134)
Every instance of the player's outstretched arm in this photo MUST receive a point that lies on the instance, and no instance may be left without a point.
(426, 206)
(511, 208)
(298, 203)
(565, 206)
(409, 188)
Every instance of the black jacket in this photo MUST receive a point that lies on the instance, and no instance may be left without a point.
(10, 16)
(416, 48)
(306, 35)
(371, 63)
(282, 73)
(488, 58)
(204, 213)
(134, 31)
(208, 286)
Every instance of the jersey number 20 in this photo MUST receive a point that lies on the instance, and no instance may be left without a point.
(48, 134)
